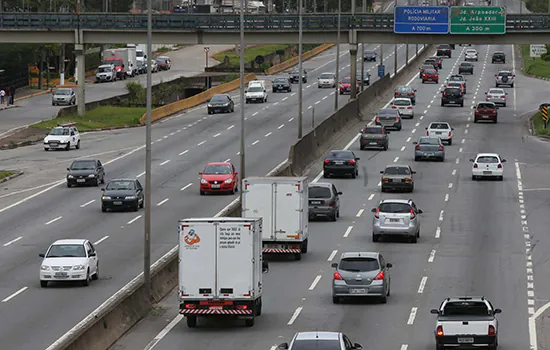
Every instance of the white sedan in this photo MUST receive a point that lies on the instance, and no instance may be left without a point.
(326, 80)
(471, 55)
(498, 96)
(443, 130)
(404, 106)
(487, 165)
(69, 260)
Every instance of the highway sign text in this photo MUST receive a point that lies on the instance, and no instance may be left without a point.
(477, 20)
(537, 50)
(421, 20)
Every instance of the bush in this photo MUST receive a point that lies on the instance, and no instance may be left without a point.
(137, 94)
(162, 94)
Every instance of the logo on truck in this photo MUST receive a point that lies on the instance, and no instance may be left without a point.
(192, 238)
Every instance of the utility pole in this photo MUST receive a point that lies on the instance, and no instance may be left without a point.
(148, 186)
(242, 150)
(300, 69)
(62, 65)
(363, 54)
(336, 93)
(353, 57)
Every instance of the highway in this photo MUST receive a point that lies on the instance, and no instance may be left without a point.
(37, 208)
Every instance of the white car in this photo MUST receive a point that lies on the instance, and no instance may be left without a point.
(497, 96)
(326, 80)
(443, 130)
(487, 165)
(404, 106)
(63, 137)
(69, 260)
(256, 91)
(471, 55)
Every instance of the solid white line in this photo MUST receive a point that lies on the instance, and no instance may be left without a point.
(280, 126)
(269, 133)
(332, 255)
(295, 316)
(402, 148)
(182, 153)
(201, 143)
(371, 196)
(163, 332)
(422, 284)
(101, 240)
(165, 162)
(218, 134)
(432, 256)
(438, 232)
(85, 204)
(140, 175)
(255, 142)
(133, 220)
(315, 281)
(360, 212)
(231, 127)
(15, 294)
(412, 316)
(54, 220)
(13, 241)
(162, 202)
(186, 187)
(348, 230)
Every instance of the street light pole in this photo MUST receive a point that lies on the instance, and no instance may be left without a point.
(363, 54)
(300, 69)
(241, 152)
(336, 93)
(148, 187)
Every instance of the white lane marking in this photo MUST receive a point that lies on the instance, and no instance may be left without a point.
(402, 148)
(280, 126)
(454, 172)
(141, 174)
(396, 159)
(284, 99)
(359, 213)
(255, 114)
(218, 134)
(408, 140)
(13, 241)
(450, 184)
(348, 231)
(466, 131)
(165, 137)
(269, 133)
(255, 142)
(186, 187)
(417, 124)
(324, 98)
(162, 202)
(412, 315)
(463, 140)
(165, 162)
(404, 347)
(457, 160)
(158, 140)
(332, 255)
(441, 215)
(172, 133)
(164, 331)
(201, 143)
(133, 220)
(371, 196)
(422, 284)
(227, 160)
(413, 131)
(292, 94)
(231, 127)
(379, 183)
(87, 203)
(54, 220)
(15, 294)
(317, 102)
(432, 256)
(182, 153)
(315, 281)
(101, 240)
(295, 316)
(446, 197)
(291, 119)
(460, 150)
(438, 232)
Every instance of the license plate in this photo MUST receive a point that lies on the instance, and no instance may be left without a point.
(340, 163)
(60, 274)
(438, 133)
(53, 144)
(485, 117)
(429, 154)
(315, 202)
(394, 220)
(487, 172)
(358, 291)
(117, 203)
(466, 340)
(279, 87)
(216, 186)
(80, 180)
(373, 143)
(451, 101)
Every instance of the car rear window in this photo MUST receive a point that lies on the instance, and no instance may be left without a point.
(402, 102)
(505, 74)
(487, 159)
(373, 131)
(326, 76)
(340, 154)
(465, 308)
(496, 91)
(452, 91)
(485, 105)
(319, 192)
(359, 264)
(439, 126)
(397, 170)
(403, 89)
(388, 113)
(465, 64)
(394, 208)
(430, 71)
(314, 344)
(429, 141)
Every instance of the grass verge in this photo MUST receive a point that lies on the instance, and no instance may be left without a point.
(534, 66)
(5, 173)
(249, 53)
(538, 124)
(103, 117)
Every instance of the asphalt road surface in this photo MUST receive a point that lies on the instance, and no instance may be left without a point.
(38, 208)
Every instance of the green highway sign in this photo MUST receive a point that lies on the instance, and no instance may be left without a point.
(477, 20)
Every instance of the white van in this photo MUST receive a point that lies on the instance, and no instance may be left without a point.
(256, 91)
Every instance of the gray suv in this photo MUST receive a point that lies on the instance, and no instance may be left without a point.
(324, 201)
(504, 77)
(320, 340)
(294, 76)
(396, 217)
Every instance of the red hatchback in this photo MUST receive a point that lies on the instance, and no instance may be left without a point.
(219, 177)
(345, 86)
(485, 111)
(430, 75)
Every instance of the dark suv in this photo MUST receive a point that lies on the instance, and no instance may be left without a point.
(444, 50)
(498, 57)
(451, 95)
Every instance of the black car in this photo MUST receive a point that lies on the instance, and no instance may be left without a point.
(498, 57)
(466, 67)
(281, 84)
(221, 103)
(341, 162)
(295, 76)
(388, 118)
(85, 172)
(374, 137)
(369, 56)
(452, 96)
(122, 194)
(366, 78)
(444, 50)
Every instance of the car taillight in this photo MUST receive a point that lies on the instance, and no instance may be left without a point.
(489, 96)
(378, 119)
(396, 93)
(351, 162)
(444, 93)
(408, 180)
(411, 93)
(440, 148)
(337, 276)
(492, 330)
(394, 107)
(439, 331)
(397, 119)
(475, 166)
(423, 74)
(327, 161)
(380, 276)
(436, 75)
(427, 133)
(377, 213)
(500, 166)
(449, 134)
(330, 205)
(410, 107)
(417, 147)
(385, 179)
(413, 215)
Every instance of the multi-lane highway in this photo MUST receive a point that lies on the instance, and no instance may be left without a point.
(38, 208)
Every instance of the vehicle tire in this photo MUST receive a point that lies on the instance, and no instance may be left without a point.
(298, 256)
(439, 347)
(335, 300)
(437, 81)
(416, 159)
(382, 189)
(201, 193)
(375, 238)
(384, 299)
(259, 307)
(46, 149)
(333, 217)
(495, 120)
(103, 179)
(95, 276)
(209, 112)
(136, 206)
(442, 159)
(103, 209)
(69, 185)
(142, 205)
(354, 175)
(462, 104)
(319, 86)
(512, 85)
(474, 178)
(232, 109)
(86, 282)
(386, 147)
(412, 189)
(304, 246)
(247, 102)
(191, 321)
(97, 181)
(399, 128)
(326, 175)
(249, 322)
(341, 93)
(232, 191)
(496, 85)
(442, 104)
(338, 213)
(422, 81)
(500, 178)
(475, 120)
(43, 284)
(361, 147)
(68, 148)
(504, 105)
(78, 145)
(414, 239)
(450, 142)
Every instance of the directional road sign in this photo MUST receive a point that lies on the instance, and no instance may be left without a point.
(537, 50)
(478, 20)
(421, 20)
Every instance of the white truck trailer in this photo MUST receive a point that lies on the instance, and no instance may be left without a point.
(220, 268)
(282, 203)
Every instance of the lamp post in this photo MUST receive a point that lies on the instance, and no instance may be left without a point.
(336, 93)
(300, 69)
(148, 187)
(363, 53)
(241, 152)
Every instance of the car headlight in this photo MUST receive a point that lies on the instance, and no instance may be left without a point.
(105, 197)
(227, 104)
(44, 268)
(130, 197)
(91, 175)
(203, 181)
(70, 177)
(209, 105)
(228, 181)
(79, 267)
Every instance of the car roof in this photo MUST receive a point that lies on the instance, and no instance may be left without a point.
(396, 200)
(504, 71)
(487, 102)
(317, 335)
(468, 298)
(501, 52)
(388, 111)
(85, 160)
(439, 123)
(320, 184)
(339, 150)
(163, 57)
(122, 179)
(327, 73)
(218, 163)
(360, 255)
(220, 95)
(466, 64)
(397, 166)
(401, 99)
(487, 155)
(69, 241)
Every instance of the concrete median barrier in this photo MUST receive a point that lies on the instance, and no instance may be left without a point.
(294, 60)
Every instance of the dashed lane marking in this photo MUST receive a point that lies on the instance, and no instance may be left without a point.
(295, 316)
(15, 294)
(13, 241)
(54, 220)
(133, 220)
(101, 240)
(412, 315)
(186, 187)
(438, 232)
(182, 153)
(348, 231)
(432, 256)
(87, 203)
(315, 281)
(332, 255)
(359, 213)
(422, 284)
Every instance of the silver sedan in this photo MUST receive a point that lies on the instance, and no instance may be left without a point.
(429, 147)
(497, 96)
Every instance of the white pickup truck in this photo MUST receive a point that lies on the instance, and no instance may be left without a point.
(466, 322)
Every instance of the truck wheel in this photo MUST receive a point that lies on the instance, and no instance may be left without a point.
(298, 256)
(259, 307)
(191, 321)
(249, 322)
(304, 244)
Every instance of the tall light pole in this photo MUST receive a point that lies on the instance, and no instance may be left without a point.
(363, 53)
(241, 152)
(337, 92)
(300, 69)
(148, 187)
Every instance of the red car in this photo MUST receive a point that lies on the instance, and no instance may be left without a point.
(345, 86)
(430, 75)
(219, 177)
(438, 60)
(485, 111)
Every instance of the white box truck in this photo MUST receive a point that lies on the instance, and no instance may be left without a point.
(220, 268)
(123, 59)
(282, 203)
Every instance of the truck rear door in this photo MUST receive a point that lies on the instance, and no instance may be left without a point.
(258, 203)
(465, 327)
(288, 211)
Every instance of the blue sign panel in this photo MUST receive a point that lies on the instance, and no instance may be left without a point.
(381, 70)
(421, 20)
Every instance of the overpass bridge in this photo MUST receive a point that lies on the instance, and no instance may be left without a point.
(209, 29)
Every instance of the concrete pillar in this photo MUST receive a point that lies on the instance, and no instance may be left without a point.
(407, 55)
(62, 65)
(353, 69)
(395, 59)
(81, 78)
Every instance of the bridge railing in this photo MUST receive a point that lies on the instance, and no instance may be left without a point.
(225, 22)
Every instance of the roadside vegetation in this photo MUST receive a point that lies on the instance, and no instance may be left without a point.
(538, 124)
(5, 173)
(539, 67)
(249, 54)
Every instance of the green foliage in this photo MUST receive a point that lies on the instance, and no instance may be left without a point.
(5, 173)
(138, 94)
(539, 67)
(538, 124)
(537, 6)
(162, 93)
(249, 53)
(230, 77)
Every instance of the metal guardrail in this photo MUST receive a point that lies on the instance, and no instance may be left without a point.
(224, 22)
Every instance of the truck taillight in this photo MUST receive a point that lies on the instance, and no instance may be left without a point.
(492, 330)
(190, 306)
(242, 307)
(337, 276)
(380, 276)
(439, 331)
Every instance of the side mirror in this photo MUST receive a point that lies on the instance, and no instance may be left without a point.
(452, 128)
(357, 158)
(420, 211)
(434, 311)
(414, 172)
(373, 210)
(485, 93)
(283, 346)
(415, 143)
(473, 107)
(415, 90)
(103, 190)
(339, 193)
(426, 128)
(471, 160)
(122, 66)
(265, 266)
(389, 265)
(245, 91)
(503, 161)
(265, 90)
(92, 254)
(145, 56)
(506, 93)
(200, 172)
(498, 311)
(335, 265)
(381, 171)
(236, 173)
(72, 133)
(41, 255)
(68, 169)
(387, 132)
(357, 346)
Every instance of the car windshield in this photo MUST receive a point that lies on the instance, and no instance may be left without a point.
(429, 141)
(62, 92)
(471, 51)
(280, 81)
(395, 208)
(373, 131)
(397, 170)
(314, 344)
(402, 102)
(486, 105)
(255, 89)
(456, 78)
(465, 64)
(427, 67)
(346, 80)
(120, 185)
(319, 192)
(217, 169)
(505, 74)
(66, 251)
(218, 98)
(359, 264)
(104, 69)
(444, 47)
(465, 308)
(439, 126)
(487, 159)
(83, 165)
(340, 154)
(370, 53)
(59, 131)
(498, 54)
(326, 76)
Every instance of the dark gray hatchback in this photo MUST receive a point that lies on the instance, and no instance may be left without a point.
(389, 118)
(324, 201)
